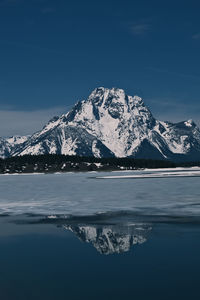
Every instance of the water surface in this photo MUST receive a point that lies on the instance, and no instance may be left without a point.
(74, 236)
(84, 194)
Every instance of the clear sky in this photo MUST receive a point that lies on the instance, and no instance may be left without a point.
(55, 52)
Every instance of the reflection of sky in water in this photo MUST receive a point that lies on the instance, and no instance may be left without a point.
(79, 194)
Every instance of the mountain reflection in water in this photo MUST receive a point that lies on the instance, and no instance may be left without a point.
(110, 239)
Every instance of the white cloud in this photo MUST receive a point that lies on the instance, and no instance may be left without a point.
(13, 122)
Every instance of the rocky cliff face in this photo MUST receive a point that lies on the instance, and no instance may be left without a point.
(111, 123)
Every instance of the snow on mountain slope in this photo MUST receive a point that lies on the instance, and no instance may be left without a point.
(58, 137)
(4, 148)
(116, 124)
(16, 140)
(7, 145)
(111, 123)
(182, 138)
(119, 121)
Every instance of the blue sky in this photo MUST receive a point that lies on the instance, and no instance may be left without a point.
(55, 52)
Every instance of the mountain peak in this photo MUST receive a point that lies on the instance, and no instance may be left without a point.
(114, 118)
(101, 93)
(109, 96)
(113, 90)
(110, 123)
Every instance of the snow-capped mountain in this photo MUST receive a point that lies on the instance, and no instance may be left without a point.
(8, 145)
(111, 239)
(17, 140)
(4, 148)
(111, 123)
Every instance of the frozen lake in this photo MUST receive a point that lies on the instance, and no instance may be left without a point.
(84, 194)
(95, 238)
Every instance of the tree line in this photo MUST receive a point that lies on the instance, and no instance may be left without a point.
(63, 163)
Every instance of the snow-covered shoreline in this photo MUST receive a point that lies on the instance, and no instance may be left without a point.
(146, 173)
(159, 173)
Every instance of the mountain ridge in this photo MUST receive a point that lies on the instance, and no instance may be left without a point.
(110, 123)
